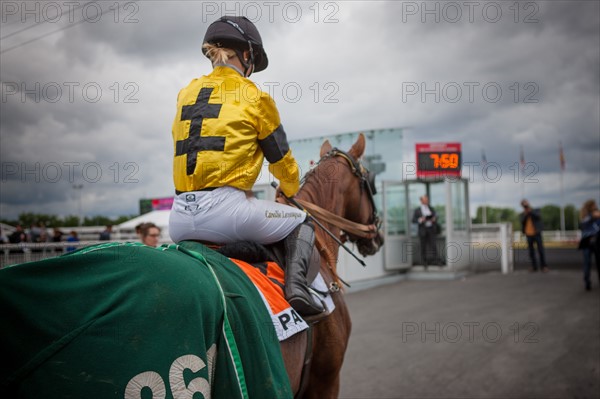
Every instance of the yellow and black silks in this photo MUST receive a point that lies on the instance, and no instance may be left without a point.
(224, 128)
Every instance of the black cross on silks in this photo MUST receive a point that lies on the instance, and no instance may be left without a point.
(195, 143)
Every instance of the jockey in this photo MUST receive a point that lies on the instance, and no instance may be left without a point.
(224, 128)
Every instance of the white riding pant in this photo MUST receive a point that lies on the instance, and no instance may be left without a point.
(226, 215)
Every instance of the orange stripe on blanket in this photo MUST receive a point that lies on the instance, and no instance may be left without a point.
(271, 291)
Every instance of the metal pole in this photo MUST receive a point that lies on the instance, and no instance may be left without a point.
(78, 188)
(562, 206)
(522, 183)
(484, 213)
(504, 248)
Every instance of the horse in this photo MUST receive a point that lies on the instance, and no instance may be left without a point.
(123, 320)
(342, 186)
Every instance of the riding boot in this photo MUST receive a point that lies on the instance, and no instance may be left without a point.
(298, 250)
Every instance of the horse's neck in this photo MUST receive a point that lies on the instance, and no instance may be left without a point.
(327, 197)
(323, 195)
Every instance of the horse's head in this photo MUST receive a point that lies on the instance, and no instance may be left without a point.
(357, 185)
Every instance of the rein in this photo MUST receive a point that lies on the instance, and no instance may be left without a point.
(348, 226)
(367, 180)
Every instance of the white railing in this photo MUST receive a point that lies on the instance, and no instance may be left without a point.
(496, 236)
(11, 254)
(553, 236)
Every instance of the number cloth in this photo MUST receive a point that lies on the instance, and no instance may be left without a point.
(269, 280)
(129, 321)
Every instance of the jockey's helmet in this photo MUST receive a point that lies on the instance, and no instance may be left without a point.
(238, 33)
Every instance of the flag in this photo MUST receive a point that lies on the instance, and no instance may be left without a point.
(522, 158)
(561, 156)
(483, 158)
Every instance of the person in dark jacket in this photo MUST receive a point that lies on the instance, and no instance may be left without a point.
(426, 218)
(18, 235)
(531, 226)
(589, 223)
(105, 234)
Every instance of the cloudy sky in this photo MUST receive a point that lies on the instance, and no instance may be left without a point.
(89, 90)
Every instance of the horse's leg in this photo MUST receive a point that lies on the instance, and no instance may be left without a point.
(293, 350)
(330, 342)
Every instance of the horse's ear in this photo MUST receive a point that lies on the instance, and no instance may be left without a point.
(358, 148)
(325, 148)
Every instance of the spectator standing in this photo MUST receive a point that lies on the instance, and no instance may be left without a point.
(532, 227)
(34, 232)
(57, 236)
(150, 234)
(589, 223)
(43, 232)
(105, 235)
(426, 219)
(18, 235)
(73, 237)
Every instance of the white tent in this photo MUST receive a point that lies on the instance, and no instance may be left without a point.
(7, 228)
(5, 231)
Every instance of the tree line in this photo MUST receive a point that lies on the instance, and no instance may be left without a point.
(28, 219)
(550, 217)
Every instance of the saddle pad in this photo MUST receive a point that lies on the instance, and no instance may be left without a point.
(268, 279)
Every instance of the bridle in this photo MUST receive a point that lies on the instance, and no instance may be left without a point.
(366, 181)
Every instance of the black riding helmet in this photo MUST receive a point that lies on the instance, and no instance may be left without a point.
(239, 34)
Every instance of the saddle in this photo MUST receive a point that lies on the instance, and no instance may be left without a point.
(260, 255)
(252, 252)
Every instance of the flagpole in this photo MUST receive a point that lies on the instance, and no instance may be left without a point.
(562, 206)
(483, 174)
(522, 184)
(522, 169)
(484, 216)
(561, 157)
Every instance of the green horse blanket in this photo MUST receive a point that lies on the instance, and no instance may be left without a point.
(130, 321)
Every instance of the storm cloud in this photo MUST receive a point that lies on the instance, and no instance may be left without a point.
(88, 98)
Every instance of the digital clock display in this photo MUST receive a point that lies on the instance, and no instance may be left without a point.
(436, 160)
(439, 161)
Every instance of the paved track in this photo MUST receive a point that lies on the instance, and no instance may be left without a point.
(557, 258)
(523, 335)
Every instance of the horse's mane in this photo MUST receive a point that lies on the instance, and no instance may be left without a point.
(314, 186)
